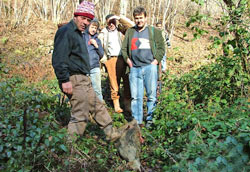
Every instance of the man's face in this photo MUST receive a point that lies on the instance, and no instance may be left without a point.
(82, 22)
(92, 29)
(111, 24)
(140, 20)
(158, 26)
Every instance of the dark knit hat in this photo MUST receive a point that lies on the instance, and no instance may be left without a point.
(86, 9)
(108, 16)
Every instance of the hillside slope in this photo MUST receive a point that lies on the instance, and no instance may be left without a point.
(28, 49)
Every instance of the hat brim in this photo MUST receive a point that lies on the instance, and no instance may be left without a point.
(91, 16)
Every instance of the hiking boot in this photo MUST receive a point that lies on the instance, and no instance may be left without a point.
(76, 128)
(117, 106)
(112, 134)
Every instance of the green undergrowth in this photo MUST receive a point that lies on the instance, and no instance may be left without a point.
(30, 135)
(202, 121)
(33, 135)
(195, 128)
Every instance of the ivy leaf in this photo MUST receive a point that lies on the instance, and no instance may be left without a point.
(9, 153)
(63, 148)
(216, 134)
(191, 135)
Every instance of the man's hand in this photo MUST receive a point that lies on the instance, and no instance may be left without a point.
(93, 42)
(154, 62)
(67, 87)
(129, 62)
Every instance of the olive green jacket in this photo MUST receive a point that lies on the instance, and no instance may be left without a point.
(155, 39)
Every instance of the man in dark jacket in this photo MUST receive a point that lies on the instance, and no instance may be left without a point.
(71, 64)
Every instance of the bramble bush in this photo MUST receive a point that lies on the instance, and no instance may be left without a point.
(202, 119)
(31, 139)
(190, 138)
(33, 136)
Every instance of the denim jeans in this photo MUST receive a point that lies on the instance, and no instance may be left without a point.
(140, 77)
(164, 63)
(95, 76)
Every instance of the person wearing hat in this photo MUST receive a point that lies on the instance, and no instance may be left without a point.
(111, 37)
(71, 64)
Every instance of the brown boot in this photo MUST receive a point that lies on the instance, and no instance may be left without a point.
(117, 106)
(76, 128)
(112, 134)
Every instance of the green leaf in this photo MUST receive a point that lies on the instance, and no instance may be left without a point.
(216, 134)
(9, 153)
(63, 148)
(19, 148)
(191, 135)
(46, 142)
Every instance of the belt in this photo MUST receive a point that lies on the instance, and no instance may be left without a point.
(78, 73)
(112, 56)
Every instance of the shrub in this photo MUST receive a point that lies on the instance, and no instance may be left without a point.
(30, 137)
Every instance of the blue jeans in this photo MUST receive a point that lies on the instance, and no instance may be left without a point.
(95, 76)
(140, 77)
(164, 63)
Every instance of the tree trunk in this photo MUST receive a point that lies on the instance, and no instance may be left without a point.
(123, 7)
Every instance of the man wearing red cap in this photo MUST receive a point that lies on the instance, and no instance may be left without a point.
(70, 61)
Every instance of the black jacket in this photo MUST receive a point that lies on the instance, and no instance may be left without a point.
(70, 55)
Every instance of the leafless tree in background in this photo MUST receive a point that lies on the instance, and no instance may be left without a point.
(124, 7)
(20, 10)
(103, 8)
(57, 7)
(167, 11)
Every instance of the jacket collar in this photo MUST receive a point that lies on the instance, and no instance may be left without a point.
(136, 28)
(73, 24)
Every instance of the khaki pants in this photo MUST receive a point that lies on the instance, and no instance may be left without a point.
(116, 68)
(84, 102)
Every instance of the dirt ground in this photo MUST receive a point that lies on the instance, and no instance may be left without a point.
(28, 50)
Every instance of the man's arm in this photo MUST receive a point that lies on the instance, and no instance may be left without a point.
(60, 60)
(124, 23)
(125, 49)
(159, 45)
(100, 50)
(101, 37)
